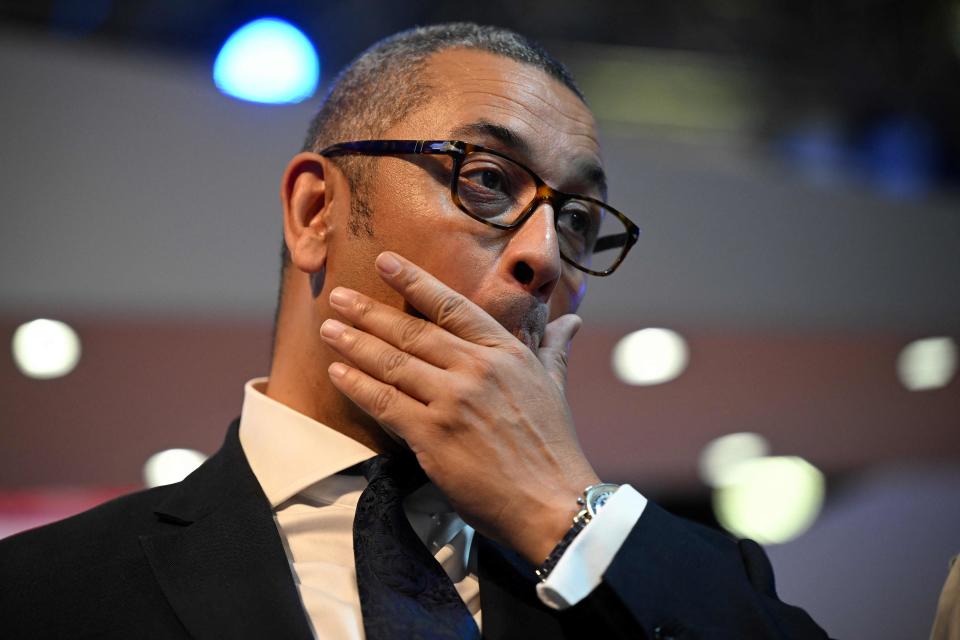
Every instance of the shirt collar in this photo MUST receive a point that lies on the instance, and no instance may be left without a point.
(289, 451)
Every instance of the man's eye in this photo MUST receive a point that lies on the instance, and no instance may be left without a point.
(576, 221)
(489, 178)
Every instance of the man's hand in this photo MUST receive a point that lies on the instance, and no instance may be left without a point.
(486, 417)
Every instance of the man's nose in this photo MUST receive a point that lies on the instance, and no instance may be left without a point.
(533, 254)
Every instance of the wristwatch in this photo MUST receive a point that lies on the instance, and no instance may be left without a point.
(595, 496)
(590, 503)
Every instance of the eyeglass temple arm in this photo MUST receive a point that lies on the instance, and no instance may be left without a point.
(388, 147)
(615, 241)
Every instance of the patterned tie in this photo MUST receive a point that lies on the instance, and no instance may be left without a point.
(404, 592)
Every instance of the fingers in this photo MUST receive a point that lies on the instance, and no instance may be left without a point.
(555, 346)
(438, 302)
(385, 403)
(421, 338)
(382, 361)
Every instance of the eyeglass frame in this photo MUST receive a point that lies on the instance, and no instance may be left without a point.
(458, 151)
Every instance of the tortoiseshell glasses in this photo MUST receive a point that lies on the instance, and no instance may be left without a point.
(502, 193)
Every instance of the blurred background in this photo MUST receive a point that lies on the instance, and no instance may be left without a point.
(777, 357)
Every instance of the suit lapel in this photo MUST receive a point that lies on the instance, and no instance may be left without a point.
(508, 597)
(224, 570)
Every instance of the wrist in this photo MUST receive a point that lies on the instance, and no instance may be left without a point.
(551, 528)
(593, 498)
(551, 522)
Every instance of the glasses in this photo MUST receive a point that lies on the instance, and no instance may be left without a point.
(502, 193)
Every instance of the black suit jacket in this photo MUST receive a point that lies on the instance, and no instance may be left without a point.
(203, 559)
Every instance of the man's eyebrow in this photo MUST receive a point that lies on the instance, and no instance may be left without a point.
(504, 135)
(594, 174)
(590, 172)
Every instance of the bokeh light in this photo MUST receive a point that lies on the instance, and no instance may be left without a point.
(172, 465)
(268, 60)
(721, 455)
(927, 364)
(45, 349)
(771, 499)
(650, 356)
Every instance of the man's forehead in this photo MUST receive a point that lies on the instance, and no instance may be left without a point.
(469, 86)
(583, 169)
(550, 125)
(484, 84)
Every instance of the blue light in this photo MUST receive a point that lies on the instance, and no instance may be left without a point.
(267, 60)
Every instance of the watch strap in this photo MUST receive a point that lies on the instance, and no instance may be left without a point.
(579, 522)
(589, 503)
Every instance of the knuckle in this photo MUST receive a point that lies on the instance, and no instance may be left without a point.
(391, 361)
(487, 370)
(383, 401)
(364, 308)
(411, 284)
(484, 369)
(411, 332)
(461, 391)
(449, 308)
(462, 398)
(411, 278)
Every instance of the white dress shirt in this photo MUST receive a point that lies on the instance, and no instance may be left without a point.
(298, 461)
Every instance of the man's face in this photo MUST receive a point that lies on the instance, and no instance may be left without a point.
(517, 276)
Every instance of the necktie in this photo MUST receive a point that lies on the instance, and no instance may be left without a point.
(404, 592)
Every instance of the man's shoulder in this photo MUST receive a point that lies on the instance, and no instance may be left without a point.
(92, 575)
(103, 534)
(87, 575)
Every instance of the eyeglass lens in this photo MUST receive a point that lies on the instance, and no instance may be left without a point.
(499, 190)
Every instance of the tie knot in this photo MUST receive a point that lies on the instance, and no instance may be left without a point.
(402, 470)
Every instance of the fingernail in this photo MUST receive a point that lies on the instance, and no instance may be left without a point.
(388, 264)
(337, 369)
(340, 297)
(331, 328)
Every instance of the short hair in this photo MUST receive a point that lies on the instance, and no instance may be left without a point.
(385, 83)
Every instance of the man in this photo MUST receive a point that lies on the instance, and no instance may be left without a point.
(449, 195)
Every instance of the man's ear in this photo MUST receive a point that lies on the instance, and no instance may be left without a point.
(308, 193)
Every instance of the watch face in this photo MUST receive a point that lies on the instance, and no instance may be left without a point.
(601, 500)
(598, 495)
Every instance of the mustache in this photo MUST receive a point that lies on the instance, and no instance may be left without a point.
(533, 325)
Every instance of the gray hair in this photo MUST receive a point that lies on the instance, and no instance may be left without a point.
(384, 83)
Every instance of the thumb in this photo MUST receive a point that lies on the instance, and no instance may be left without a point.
(555, 346)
